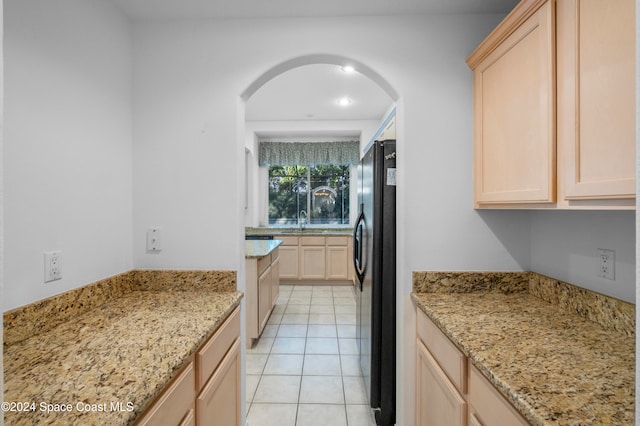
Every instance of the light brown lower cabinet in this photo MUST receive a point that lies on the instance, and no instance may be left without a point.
(264, 298)
(289, 257)
(487, 406)
(451, 391)
(207, 391)
(176, 404)
(338, 257)
(219, 401)
(316, 258)
(438, 401)
(262, 290)
(275, 280)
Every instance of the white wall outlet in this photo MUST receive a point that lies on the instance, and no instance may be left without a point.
(607, 264)
(52, 266)
(154, 240)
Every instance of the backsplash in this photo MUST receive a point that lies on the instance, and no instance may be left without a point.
(43, 315)
(467, 282)
(607, 311)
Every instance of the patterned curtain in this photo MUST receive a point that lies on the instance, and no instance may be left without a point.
(308, 153)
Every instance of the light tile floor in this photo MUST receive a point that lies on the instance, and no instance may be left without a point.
(304, 370)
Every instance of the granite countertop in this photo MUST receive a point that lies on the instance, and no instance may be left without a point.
(554, 366)
(295, 231)
(255, 249)
(122, 352)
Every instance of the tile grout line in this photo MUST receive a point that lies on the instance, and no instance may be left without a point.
(339, 353)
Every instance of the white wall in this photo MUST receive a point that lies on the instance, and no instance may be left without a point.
(67, 144)
(1, 198)
(564, 246)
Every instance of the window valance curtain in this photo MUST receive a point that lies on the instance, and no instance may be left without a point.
(308, 153)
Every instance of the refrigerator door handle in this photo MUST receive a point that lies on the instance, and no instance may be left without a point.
(358, 262)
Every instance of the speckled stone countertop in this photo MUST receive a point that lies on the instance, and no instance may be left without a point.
(560, 354)
(123, 351)
(255, 249)
(295, 231)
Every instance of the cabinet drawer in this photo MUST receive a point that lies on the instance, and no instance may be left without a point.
(287, 241)
(263, 263)
(451, 360)
(208, 358)
(489, 406)
(337, 241)
(175, 403)
(312, 241)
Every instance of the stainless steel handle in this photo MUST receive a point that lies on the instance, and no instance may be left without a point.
(359, 263)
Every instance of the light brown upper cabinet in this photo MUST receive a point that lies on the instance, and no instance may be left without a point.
(514, 108)
(554, 107)
(596, 101)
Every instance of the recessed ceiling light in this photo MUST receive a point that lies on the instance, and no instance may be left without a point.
(344, 101)
(348, 69)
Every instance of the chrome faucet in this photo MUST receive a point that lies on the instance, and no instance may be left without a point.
(302, 219)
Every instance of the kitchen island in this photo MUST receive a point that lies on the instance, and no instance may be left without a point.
(557, 353)
(262, 259)
(102, 354)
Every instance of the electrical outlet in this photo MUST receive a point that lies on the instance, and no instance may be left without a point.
(607, 264)
(154, 240)
(52, 266)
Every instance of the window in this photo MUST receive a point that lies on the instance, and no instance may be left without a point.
(319, 193)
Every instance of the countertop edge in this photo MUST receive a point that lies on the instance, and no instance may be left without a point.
(256, 249)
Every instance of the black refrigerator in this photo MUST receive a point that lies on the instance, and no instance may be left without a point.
(374, 257)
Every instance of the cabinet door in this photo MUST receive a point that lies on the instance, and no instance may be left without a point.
(275, 281)
(596, 98)
(289, 262)
(514, 114)
(312, 263)
(438, 403)
(264, 298)
(175, 404)
(337, 263)
(219, 402)
(190, 419)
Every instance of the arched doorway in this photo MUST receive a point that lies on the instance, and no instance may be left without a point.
(319, 59)
(300, 62)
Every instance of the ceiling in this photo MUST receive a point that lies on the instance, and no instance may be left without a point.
(309, 92)
(198, 9)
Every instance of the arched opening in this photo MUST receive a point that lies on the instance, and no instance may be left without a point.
(290, 115)
(319, 59)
